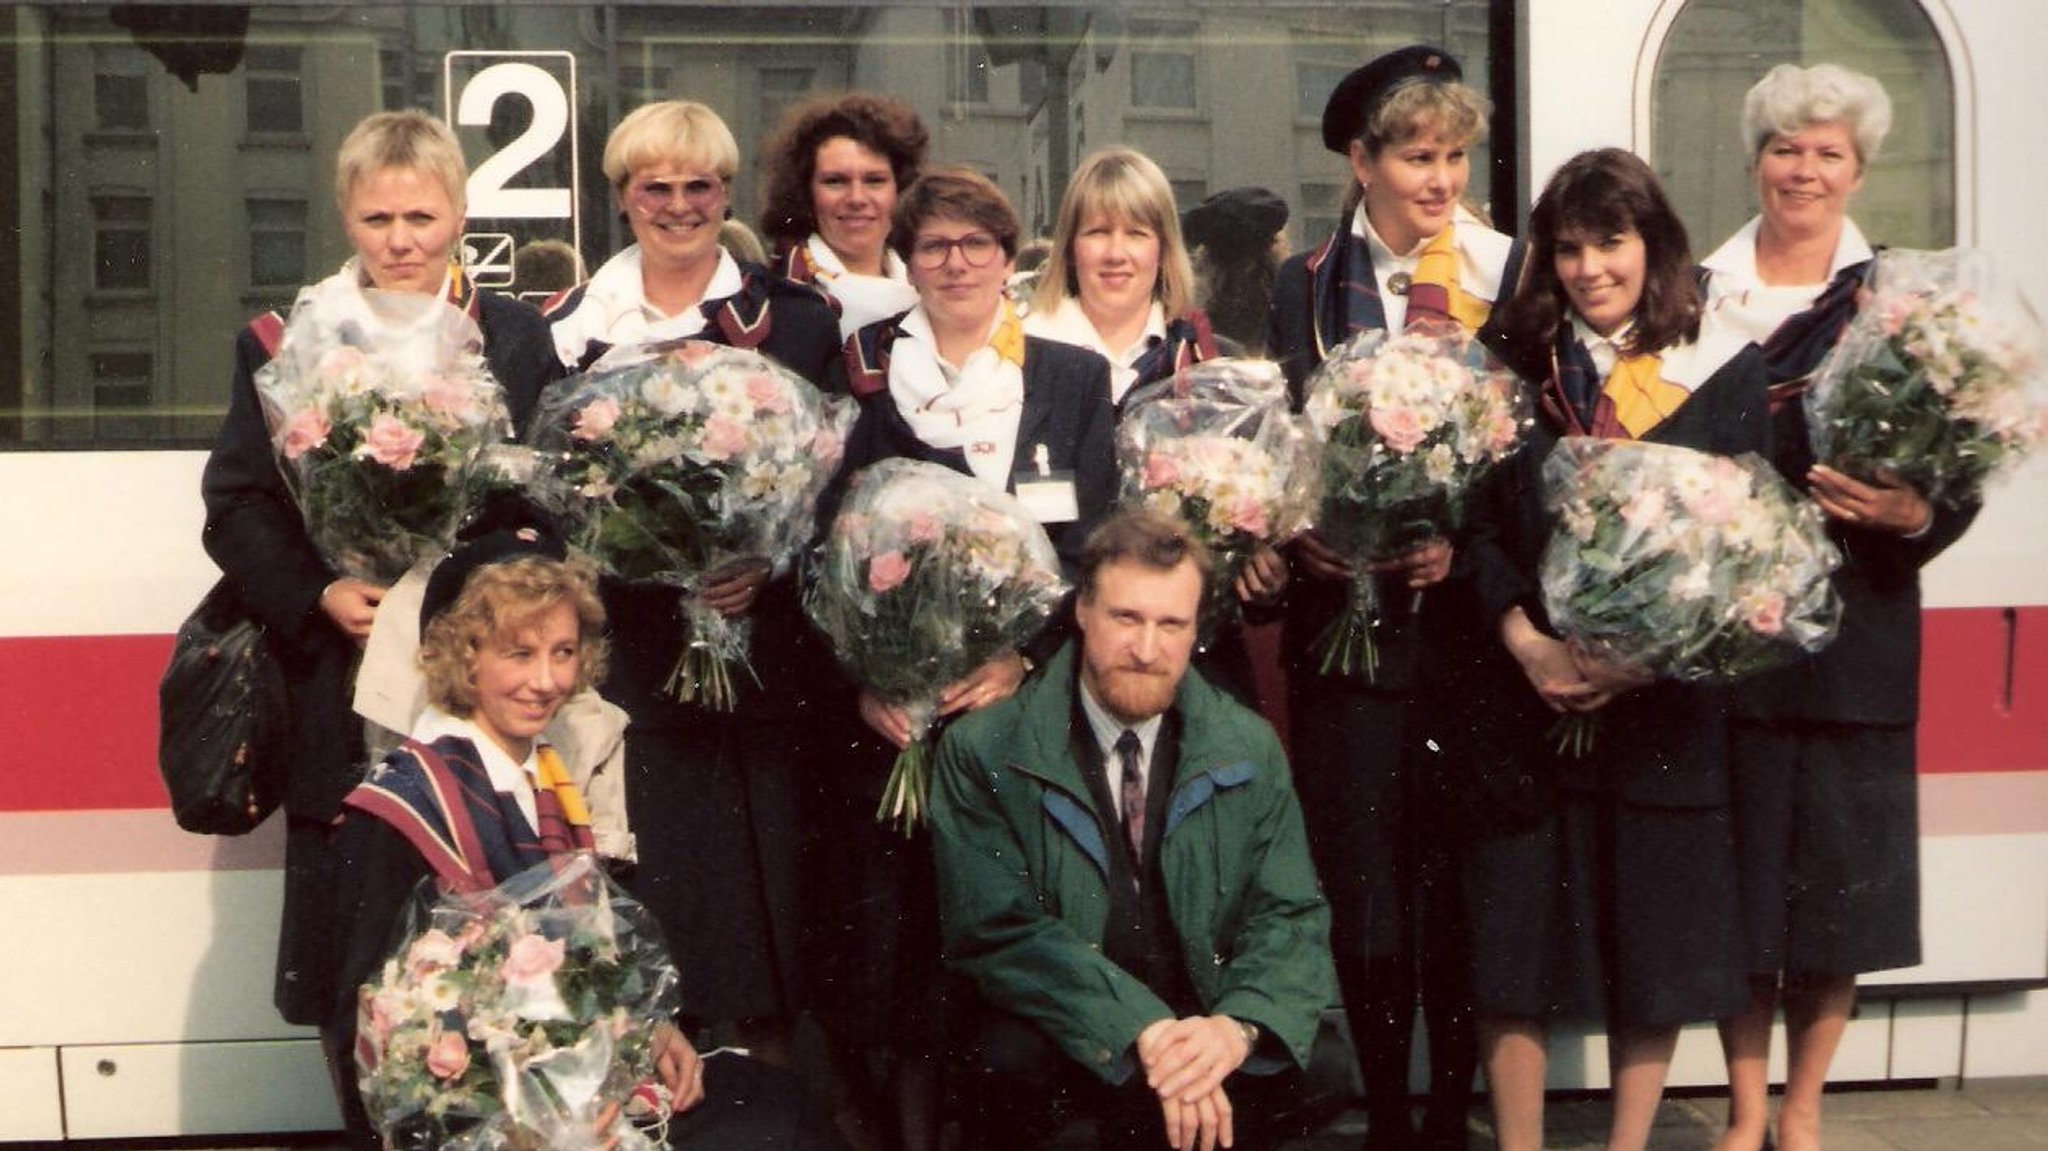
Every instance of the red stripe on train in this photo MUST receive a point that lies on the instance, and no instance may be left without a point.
(82, 709)
(80, 717)
(1984, 690)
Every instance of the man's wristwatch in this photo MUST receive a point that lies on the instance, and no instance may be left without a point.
(1250, 1031)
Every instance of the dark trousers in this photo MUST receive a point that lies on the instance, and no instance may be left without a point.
(1014, 1090)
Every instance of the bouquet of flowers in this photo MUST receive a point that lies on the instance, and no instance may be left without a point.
(1938, 380)
(1215, 447)
(926, 575)
(1407, 423)
(378, 405)
(511, 1017)
(675, 465)
(1682, 564)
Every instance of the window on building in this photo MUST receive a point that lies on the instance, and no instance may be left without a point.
(120, 89)
(1188, 193)
(391, 77)
(121, 395)
(121, 227)
(643, 84)
(782, 87)
(275, 97)
(1163, 66)
(967, 62)
(277, 242)
(1314, 80)
(1710, 60)
(1321, 204)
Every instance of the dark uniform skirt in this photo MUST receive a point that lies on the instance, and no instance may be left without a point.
(1608, 911)
(1828, 839)
(714, 806)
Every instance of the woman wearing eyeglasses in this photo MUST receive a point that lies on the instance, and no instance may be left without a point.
(953, 381)
(713, 794)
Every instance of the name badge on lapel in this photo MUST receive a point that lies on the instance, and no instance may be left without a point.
(1048, 495)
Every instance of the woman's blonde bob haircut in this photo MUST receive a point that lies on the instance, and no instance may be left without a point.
(1790, 99)
(410, 141)
(680, 132)
(1126, 186)
(498, 601)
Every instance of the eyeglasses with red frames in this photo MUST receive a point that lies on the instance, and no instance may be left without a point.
(651, 196)
(979, 249)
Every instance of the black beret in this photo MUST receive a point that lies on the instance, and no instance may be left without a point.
(1237, 220)
(508, 527)
(1367, 87)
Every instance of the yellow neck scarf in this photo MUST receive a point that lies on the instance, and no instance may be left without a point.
(1438, 264)
(1008, 340)
(550, 772)
(1642, 397)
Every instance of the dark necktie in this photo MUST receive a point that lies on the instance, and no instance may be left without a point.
(1133, 799)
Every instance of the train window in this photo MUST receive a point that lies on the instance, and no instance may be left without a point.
(1709, 60)
(175, 161)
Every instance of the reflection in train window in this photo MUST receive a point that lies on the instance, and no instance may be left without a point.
(1710, 59)
(175, 167)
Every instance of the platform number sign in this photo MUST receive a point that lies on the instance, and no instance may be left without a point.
(515, 113)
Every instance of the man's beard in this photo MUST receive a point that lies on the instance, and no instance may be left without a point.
(1135, 696)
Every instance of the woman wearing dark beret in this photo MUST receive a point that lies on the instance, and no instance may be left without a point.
(1237, 240)
(1373, 757)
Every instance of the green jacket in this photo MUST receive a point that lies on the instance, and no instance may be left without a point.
(1023, 875)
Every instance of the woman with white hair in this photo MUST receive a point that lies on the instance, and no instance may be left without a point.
(1823, 751)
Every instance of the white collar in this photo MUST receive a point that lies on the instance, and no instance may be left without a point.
(1068, 323)
(1106, 727)
(830, 267)
(621, 285)
(1733, 264)
(1605, 350)
(514, 779)
(614, 310)
(1482, 252)
(1685, 365)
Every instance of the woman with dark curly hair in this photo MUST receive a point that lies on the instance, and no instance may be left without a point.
(834, 168)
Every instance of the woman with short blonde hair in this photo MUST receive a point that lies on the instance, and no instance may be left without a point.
(1118, 280)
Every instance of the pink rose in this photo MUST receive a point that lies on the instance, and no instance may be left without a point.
(1249, 516)
(447, 395)
(594, 421)
(448, 1058)
(886, 571)
(694, 352)
(1399, 428)
(766, 394)
(306, 430)
(434, 950)
(1717, 502)
(392, 442)
(342, 361)
(1160, 471)
(924, 528)
(532, 959)
(723, 438)
(1767, 614)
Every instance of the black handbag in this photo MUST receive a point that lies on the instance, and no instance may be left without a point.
(224, 723)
